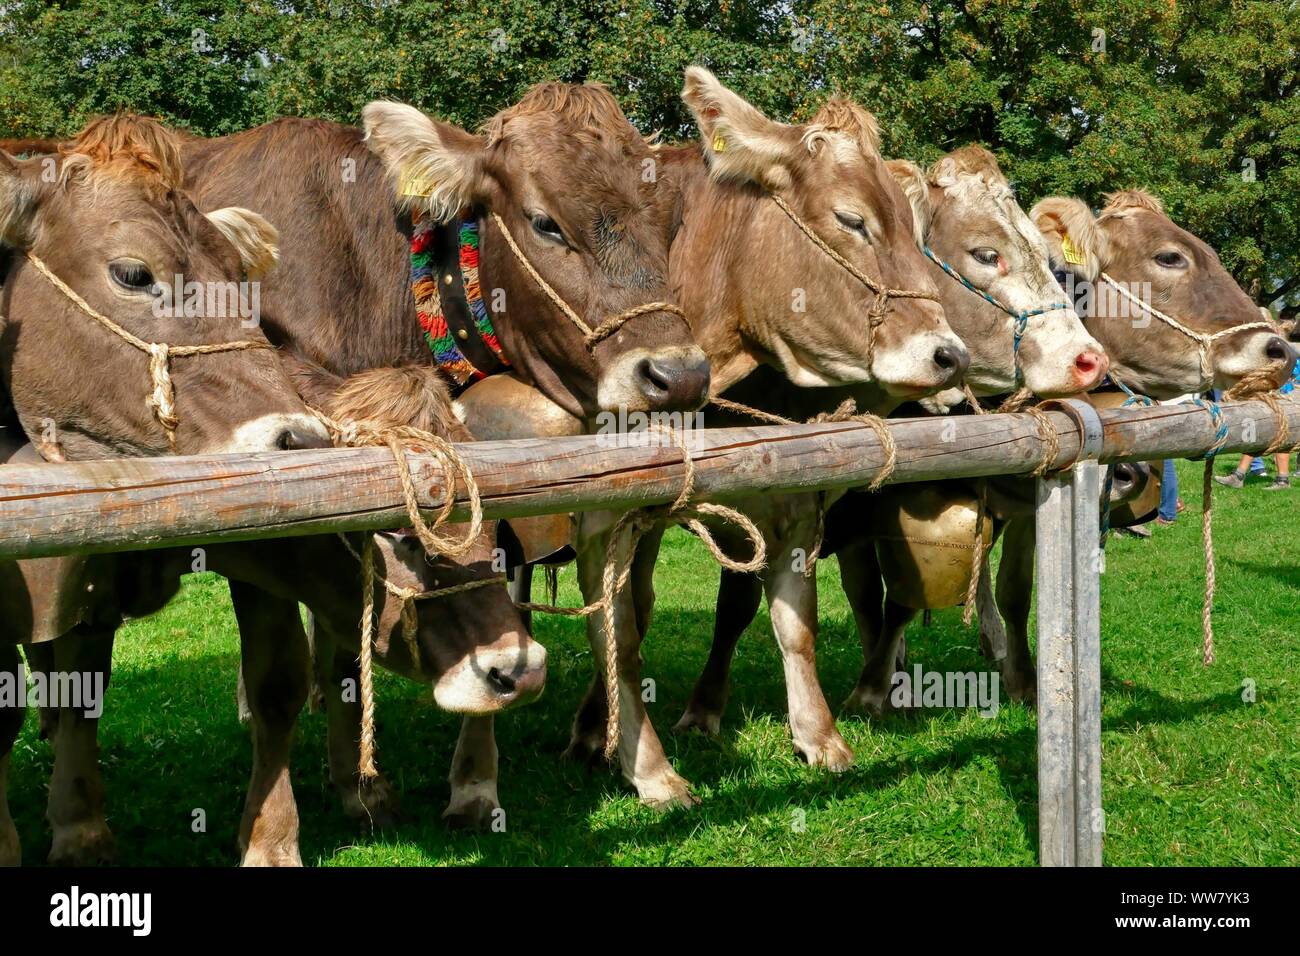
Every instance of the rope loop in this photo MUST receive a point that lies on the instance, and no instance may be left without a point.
(161, 400)
(591, 337)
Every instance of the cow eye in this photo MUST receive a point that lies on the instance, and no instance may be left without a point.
(853, 223)
(132, 275)
(1171, 259)
(985, 256)
(546, 226)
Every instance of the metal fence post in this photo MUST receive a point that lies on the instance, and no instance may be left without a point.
(1067, 525)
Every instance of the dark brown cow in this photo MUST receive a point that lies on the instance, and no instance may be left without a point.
(564, 171)
(473, 649)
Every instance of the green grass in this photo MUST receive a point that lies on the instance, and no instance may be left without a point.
(1192, 773)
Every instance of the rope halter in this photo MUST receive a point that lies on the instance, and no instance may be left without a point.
(162, 398)
(1020, 318)
(876, 314)
(1204, 340)
(591, 336)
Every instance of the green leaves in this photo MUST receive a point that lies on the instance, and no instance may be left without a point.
(1075, 96)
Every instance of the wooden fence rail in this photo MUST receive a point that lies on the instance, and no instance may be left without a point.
(49, 509)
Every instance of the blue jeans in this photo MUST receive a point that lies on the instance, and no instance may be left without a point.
(1169, 491)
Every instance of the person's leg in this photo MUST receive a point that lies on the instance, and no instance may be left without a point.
(1258, 467)
(1168, 492)
(1283, 479)
(1238, 478)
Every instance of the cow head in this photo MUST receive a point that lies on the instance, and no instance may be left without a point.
(796, 307)
(107, 217)
(1136, 244)
(573, 182)
(964, 210)
(472, 646)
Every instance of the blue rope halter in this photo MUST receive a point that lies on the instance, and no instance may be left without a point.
(1020, 320)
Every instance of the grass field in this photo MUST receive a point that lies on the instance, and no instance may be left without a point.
(1193, 774)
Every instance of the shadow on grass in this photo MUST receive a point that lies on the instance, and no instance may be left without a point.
(159, 771)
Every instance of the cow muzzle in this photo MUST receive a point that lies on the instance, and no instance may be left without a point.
(661, 380)
(506, 674)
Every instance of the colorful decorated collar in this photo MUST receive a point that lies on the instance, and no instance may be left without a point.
(449, 300)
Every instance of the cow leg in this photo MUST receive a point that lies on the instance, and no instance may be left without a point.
(11, 722)
(872, 695)
(865, 589)
(1014, 587)
(276, 664)
(587, 744)
(641, 754)
(739, 595)
(993, 636)
(474, 803)
(792, 602)
(75, 808)
(519, 582)
(372, 800)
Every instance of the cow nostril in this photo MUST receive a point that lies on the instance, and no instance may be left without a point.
(297, 439)
(654, 376)
(948, 358)
(502, 682)
(1277, 350)
(1125, 473)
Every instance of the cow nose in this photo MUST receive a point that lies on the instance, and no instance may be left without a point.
(673, 383)
(297, 438)
(1123, 478)
(1089, 367)
(523, 686)
(952, 361)
(1276, 349)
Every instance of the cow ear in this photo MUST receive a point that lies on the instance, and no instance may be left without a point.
(741, 143)
(1074, 240)
(19, 197)
(433, 165)
(911, 180)
(254, 238)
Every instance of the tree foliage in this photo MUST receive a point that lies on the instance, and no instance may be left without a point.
(1193, 99)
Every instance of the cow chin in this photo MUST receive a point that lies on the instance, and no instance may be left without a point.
(493, 679)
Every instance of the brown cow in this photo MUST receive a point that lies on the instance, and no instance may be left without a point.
(967, 218)
(105, 218)
(472, 646)
(564, 171)
(770, 297)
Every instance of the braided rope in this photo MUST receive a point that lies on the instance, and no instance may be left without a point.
(591, 337)
(162, 399)
(1204, 340)
(1020, 318)
(620, 553)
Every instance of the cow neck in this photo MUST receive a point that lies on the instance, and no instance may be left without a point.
(449, 300)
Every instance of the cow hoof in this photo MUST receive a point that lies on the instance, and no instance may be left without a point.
(833, 753)
(666, 793)
(476, 813)
(370, 800)
(587, 748)
(272, 856)
(706, 722)
(83, 844)
(1021, 687)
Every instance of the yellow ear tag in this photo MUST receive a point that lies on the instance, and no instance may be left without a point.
(719, 144)
(412, 185)
(1073, 254)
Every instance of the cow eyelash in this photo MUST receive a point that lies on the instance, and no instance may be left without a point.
(548, 227)
(985, 256)
(131, 275)
(1171, 259)
(853, 223)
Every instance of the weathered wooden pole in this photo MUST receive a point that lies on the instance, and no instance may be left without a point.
(159, 502)
(1067, 529)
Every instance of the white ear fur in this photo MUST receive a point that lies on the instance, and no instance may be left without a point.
(1058, 217)
(911, 180)
(433, 164)
(740, 142)
(255, 239)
